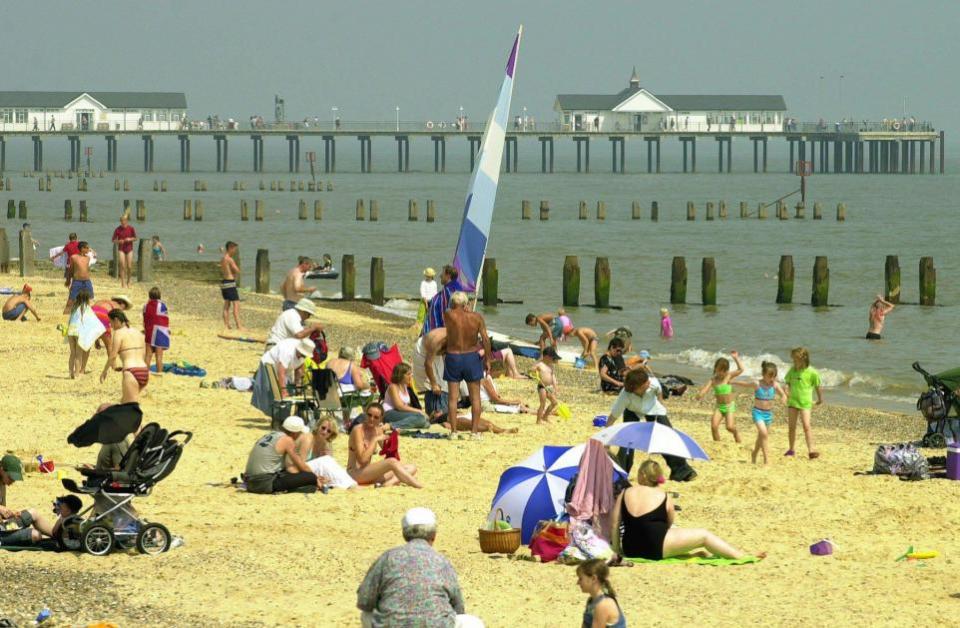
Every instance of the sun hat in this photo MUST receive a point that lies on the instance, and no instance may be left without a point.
(429, 272)
(306, 306)
(418, 517)
(122, 298)
(12, 467)
(305, 347)
(295, 424)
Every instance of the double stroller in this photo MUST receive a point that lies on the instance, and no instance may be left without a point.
(940, 406)
(112, 520)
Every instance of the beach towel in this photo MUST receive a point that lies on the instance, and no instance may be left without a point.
(593, 494)
(715, 561)
(85, 325)
(391, 446)
(438, 305)
(156, 324)
(181, 367)
(103, 315)
(265, 389)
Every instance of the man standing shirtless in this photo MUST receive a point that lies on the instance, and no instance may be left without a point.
(292, 287)
(124, 236)
(463, 362)
(878, 312)
(229, 271)
(78, 269)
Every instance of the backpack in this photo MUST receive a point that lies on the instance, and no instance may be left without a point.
(320, 348)
(932, 405)
(903, 460)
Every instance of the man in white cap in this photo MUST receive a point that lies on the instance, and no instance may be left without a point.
(413, 585)
(285, 359)
(292, 323)
(272, 458)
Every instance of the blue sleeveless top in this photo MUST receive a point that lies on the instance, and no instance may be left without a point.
(766, 393)
(588, 614)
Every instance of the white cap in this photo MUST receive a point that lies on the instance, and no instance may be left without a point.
(305, 347)
(295, 425)
(418, 517)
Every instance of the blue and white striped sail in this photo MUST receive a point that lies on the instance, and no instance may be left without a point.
(478, 209)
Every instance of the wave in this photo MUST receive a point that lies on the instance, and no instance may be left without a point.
(399, 307)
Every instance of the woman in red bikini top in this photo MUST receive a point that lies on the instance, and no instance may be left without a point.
(127, 344)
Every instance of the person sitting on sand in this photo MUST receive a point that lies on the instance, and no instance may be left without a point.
(501, 351)
(128, 345)
(33, 526)
(413, 585)
(17, 306)
(396, 402)
(602, 609)
(642, 523)
(317, 449)
(490, 398)
(366, 439)
(274, 466)
(350, 376)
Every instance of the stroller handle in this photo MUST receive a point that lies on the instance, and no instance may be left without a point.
(188, 436)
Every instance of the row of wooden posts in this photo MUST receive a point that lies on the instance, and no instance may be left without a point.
(5, 184)
(490, 281)
(63, 174)
(636, 211)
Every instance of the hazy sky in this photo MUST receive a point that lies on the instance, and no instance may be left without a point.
(429, 58)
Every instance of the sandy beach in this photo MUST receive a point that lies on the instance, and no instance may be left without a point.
(297, 560)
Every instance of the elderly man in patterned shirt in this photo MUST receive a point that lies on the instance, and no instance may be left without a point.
(413, 585)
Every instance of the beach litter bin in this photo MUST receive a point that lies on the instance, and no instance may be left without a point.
(953, 461)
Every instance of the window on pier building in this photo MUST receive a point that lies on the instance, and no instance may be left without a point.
(6, 115)
(21, 116)
(175, 116)
(148, 116)
(161, 116)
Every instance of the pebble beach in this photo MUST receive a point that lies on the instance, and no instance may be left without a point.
(252, 560)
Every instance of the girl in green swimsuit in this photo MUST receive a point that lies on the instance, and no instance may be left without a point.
(723, 391)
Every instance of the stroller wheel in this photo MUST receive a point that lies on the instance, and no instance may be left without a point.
(936, 440)
(153, 538)
(97, 540)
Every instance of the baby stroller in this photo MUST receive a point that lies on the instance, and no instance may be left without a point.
(112, 520)
(940, 406)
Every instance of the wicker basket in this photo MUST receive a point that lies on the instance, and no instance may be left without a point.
(499, 541)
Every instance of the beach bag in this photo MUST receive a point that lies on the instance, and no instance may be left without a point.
(903, 460)
(320, 348)
(583, 536)
(549, 540)
(932, 405)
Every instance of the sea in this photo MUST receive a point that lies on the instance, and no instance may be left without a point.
(910, 216)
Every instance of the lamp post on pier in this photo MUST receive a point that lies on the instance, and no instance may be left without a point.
(398, 118)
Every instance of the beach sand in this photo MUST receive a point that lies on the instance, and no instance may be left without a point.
(297, 560)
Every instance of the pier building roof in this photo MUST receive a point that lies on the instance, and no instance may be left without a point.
(110, 100)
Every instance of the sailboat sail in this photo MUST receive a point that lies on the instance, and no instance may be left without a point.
(478, 208)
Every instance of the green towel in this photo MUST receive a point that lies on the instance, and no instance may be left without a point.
(698, 560)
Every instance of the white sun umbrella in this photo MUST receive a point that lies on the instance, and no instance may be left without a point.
(653, 438)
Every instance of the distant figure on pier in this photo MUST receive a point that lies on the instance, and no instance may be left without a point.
(336, 123)
(229, 271)
(53, 125)
(878, 312)
(36, 125)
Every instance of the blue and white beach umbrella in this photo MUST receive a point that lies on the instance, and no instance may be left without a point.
(653, 438)
(534, 489)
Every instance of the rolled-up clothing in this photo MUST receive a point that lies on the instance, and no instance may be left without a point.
(400, 420)
(262, 398)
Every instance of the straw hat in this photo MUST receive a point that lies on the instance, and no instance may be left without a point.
(306, 306)
(429, 273)
(122, 298)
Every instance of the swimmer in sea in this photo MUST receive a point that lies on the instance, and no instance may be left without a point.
(878, 312)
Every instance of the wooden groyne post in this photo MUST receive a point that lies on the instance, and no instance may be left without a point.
(68, 210)
(26, 253)
(491, 282)
(4, 251)
(22, 210)
(377, 281)
(744, 209)
(198, 211)
(144, 261)
(374, 210)
(601, 282)
(258, 210)
(708, 281)
(841, 212)
(244, 210)
(785, 280)
(601, 210)
(187, 209)
(818, 211)
(571, 281)
(928, 281)
(11, 209)
(691, 211)
(635, 210)
(525, 213)
(544, 210)
(709, 210)
(678, 280)
(318, 209)
(348, 279)
(261, 273)
(431, 211)
(302, 210)
(722, 210)
(891, 279)
(654, 211)
(360, 210)
(820, 294)
(582, 210)
(83, 210)
(413, 212)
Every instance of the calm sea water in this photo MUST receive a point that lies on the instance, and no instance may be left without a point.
(909, 216)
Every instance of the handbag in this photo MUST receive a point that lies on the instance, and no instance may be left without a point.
(549, 540)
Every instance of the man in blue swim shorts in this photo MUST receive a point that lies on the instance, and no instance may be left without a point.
(17, 306)
(466, 334)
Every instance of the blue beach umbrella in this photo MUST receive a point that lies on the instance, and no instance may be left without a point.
(653, 438)
(534, 489)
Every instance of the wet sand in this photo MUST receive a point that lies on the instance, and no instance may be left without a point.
(297, 560)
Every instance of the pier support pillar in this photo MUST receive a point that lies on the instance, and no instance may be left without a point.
(942, 150)
(184, 153)
(257, 153)
(619, 142)
(690, 140)
(474, 141)
(791, 164)
(3, 154)
(147, 153)
(221, 141)
(440, 153)
(544, 162)
(329, 153)
(510, 153)
(583, 153)
(74, 152)
(923, 146)
(37, 153)
(764, 154)
(293, 150)
(403, 153)
(366, 150)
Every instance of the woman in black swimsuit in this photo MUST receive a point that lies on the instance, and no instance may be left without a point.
(643, 523)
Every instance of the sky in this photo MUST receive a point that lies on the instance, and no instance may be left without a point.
(429, 58)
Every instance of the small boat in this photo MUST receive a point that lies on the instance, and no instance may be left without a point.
(329, 273)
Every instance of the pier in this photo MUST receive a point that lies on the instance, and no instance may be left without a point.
(850, 148)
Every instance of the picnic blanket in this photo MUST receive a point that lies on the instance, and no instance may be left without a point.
(715, 561)
(181, 367)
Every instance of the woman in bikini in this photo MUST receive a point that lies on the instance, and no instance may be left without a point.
(128, 345)
(365, 440)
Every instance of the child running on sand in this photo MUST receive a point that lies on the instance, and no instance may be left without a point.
(766, 390)
(547, 387)
(556, 327)
(666, 324)
(723, 391)
(801, 380)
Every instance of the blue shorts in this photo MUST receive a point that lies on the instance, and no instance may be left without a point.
(15, 312)
(762, 416)
(80, 284)
(228, 290)
(462, 367)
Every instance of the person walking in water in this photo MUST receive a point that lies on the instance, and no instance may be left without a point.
(229, 271)
(878, 312)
